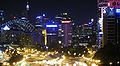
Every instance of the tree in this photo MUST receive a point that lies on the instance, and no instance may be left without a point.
(109, 53)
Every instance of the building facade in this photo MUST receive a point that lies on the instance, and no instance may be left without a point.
(112, 26)
(65, 30)
(52, 34)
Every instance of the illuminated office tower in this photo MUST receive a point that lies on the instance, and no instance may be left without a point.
(112, 26)
(86, 35)
(65, 30)
(75, 34)
(52, 34)
(102, 5)
(108, 21)
(39, 33)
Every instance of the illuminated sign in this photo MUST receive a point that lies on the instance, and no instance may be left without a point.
(114, 3)
(117, 10)
(66, 21)
(51, 26)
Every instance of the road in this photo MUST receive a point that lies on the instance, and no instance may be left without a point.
(32, 57)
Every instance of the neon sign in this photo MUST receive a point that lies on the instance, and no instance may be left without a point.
(51, 26)
(117, 10)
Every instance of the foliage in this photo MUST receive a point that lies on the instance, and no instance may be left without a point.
(109, 53)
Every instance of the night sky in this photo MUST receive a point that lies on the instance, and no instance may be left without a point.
(80, 10)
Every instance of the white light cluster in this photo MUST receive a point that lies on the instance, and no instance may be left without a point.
(51, 25)
(6, 28)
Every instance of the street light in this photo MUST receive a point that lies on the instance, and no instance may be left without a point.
(93, 64)
(118, 62)
(110, 63)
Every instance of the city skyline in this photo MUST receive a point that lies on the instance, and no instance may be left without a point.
(59, 33)
(81, 11)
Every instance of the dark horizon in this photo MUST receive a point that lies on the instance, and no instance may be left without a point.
(80, 11)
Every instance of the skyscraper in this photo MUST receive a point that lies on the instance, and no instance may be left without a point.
(39, 33)
(86, 33)
(108, 21)
(65, 30)
(112, 26)
(52, 34)
(75, 34)
(102, 5)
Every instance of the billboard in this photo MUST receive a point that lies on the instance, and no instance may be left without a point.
(103, 3)
(114, 3)
(117, 10)
(51, 26)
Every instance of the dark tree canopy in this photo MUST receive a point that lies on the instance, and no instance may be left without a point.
(109, 53)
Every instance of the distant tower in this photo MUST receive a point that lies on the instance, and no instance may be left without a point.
(27, 6)
(25, 12)
(65, 30)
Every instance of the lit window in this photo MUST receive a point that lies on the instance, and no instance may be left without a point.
(59, 42)
(62, 35)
